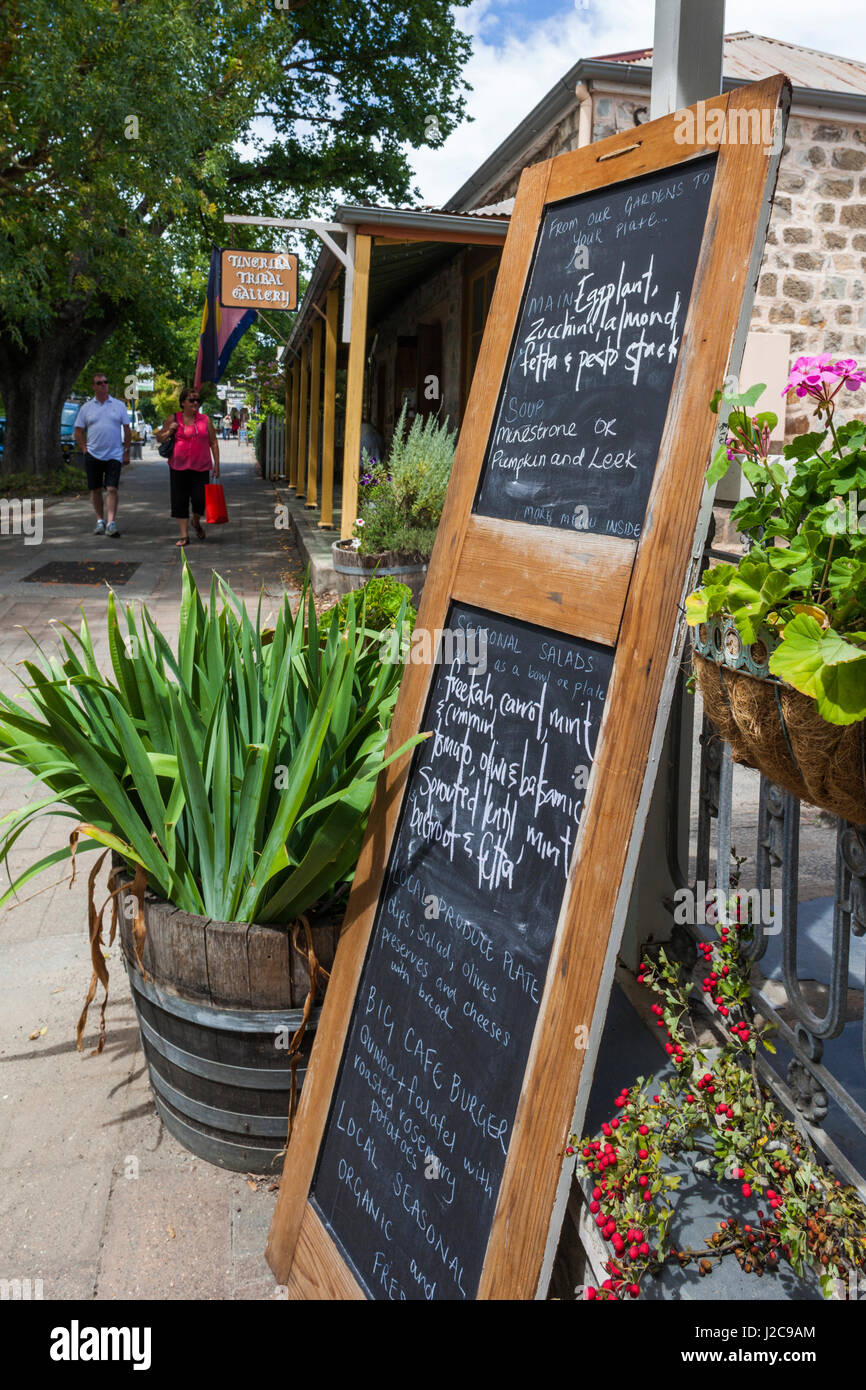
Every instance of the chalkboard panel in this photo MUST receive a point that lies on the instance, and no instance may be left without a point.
(421, 1118)
(589, 377)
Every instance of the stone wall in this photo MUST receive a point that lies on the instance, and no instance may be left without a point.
(812, 276)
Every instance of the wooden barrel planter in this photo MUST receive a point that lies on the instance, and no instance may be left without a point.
(217, 1003)
(355, 569)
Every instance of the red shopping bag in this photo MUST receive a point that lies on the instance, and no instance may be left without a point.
(215, 510)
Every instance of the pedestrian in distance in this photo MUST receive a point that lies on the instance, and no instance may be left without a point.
(102, 433)
(236, 423)
(195, 443)
(227, 425)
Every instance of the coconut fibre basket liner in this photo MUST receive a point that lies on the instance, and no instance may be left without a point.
(774, 728)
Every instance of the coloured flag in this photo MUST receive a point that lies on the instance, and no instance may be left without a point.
(220, 328)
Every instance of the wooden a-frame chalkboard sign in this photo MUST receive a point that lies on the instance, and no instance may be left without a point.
(460, 1026)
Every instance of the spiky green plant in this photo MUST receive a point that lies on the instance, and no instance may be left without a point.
(237, 771)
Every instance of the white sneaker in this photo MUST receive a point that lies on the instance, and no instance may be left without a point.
(111, 529)
(99, 528)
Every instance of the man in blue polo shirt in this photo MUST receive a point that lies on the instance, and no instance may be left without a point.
(98, 428)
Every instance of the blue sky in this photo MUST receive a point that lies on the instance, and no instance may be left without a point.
(522, 47)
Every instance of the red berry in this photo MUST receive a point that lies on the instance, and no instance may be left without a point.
(644, 1249)
(633, 1290)
(594, 1206)
(634, 1252)
(643, 1153)
(643, 1180)
(747, 1191)
(591, 1293)
(644, 1129)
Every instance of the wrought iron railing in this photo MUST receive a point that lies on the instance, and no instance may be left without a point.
(820, 1066)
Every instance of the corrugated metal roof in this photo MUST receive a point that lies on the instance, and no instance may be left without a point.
(749, 57)
(426, 216)
(395, 269)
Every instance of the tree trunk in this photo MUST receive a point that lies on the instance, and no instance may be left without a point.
(35, 380)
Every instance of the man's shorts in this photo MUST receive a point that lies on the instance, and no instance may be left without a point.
(102, 472)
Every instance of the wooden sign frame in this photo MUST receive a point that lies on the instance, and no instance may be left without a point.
(618, 592)
(284, 262)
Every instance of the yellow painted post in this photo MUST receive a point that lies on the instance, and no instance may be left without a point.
(315, 399)
(287, 421)
(296, 401)
(355, 385)
(329, 411)
(302, 423)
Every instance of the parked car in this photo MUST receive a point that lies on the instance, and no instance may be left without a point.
(68, 417)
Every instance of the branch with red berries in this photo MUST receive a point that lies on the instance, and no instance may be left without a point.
(713, 1107)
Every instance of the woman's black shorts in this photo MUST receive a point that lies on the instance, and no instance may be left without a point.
(187, 487)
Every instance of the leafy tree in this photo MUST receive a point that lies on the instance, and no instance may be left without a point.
(129, 128)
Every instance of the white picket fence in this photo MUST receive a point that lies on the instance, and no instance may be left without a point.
(274, 451)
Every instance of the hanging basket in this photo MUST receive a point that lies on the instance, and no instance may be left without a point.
(776, 729)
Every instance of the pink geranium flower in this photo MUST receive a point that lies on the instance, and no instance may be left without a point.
(822, 378)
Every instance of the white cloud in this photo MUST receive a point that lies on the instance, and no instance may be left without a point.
(510, 71)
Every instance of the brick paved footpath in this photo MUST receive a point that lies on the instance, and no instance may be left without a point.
(96, 1198)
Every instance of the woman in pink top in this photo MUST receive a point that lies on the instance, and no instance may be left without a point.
(195, 442)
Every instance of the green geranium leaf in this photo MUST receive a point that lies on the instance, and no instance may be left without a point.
(805, 446)
(752, 513)
(750, 397)
(778, 474)
(712, 596)
(852, 435)
(719, 466)
(823, 665)
(755, 473)
(697, 608)
(754, 591)
(845, 576)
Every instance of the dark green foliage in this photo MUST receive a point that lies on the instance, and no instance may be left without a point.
(387, 603)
